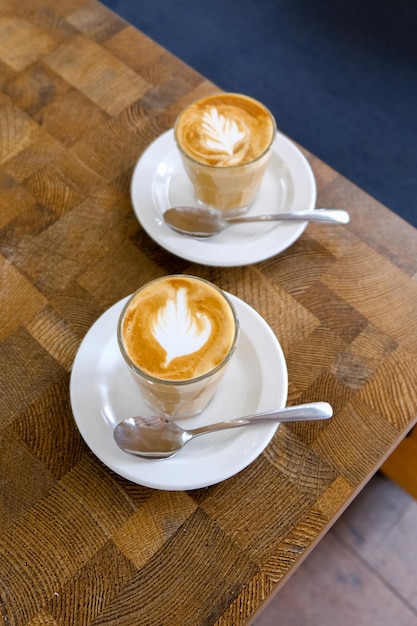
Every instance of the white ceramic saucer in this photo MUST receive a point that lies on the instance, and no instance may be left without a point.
(103, 393)
(159, 182)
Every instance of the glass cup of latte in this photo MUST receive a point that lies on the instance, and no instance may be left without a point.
(177, 335)
(225, 142)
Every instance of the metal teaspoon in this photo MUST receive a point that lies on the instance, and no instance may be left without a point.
(197, 222)
(157, 438)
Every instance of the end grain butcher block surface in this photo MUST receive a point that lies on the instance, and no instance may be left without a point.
(82, 95)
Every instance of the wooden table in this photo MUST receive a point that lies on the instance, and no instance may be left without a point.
(82, 95)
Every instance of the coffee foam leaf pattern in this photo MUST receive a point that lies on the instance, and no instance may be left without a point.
(177, 330)
(225, 130)
(221, 133)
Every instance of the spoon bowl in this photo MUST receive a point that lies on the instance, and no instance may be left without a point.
(155, 437)
(202, 223)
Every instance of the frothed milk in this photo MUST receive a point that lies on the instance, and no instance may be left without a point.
(225, 142)
(177, 334)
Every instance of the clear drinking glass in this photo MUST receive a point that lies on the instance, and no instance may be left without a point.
(189, 396)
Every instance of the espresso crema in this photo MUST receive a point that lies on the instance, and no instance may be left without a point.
(178, 328)
(225, 130)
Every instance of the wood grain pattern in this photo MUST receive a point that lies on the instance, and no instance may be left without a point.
(82, 94)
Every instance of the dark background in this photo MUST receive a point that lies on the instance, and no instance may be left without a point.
(340, 77)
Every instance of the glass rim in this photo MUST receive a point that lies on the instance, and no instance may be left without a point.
(238, 165)
(184, 381)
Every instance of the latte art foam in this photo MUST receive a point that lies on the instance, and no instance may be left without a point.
(224, 135)
(225, 130)
(178, 328)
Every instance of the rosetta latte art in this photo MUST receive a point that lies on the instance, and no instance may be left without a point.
(221, 133)
(224, 130)
(177, 330)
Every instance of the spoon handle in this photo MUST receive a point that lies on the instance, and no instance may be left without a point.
(310, 411)
(329, 216)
